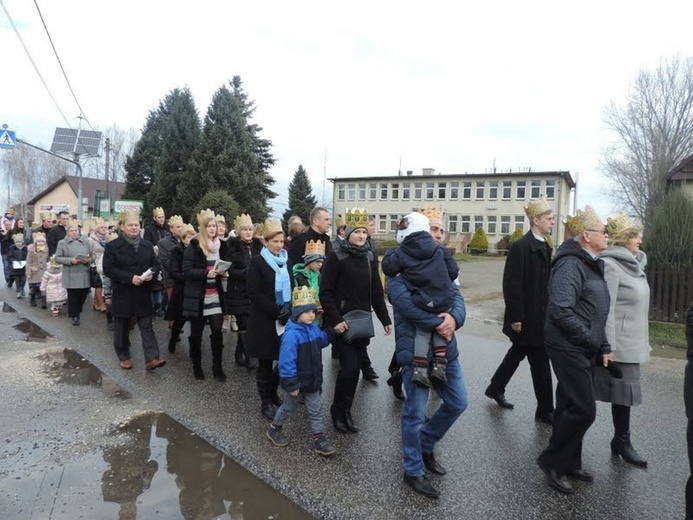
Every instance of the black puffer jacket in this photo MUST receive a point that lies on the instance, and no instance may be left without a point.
(195, 272)
(578, 302)
(240, 253)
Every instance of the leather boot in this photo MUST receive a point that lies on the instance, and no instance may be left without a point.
(348, 419)
(620, 444)
(239, 355)
(217, 342)
(196, 356)
(99, 304)
(338, 419)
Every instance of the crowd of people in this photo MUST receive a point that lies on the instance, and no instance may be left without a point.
(289, 294)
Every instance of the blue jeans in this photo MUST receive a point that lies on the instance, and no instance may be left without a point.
(417, 437)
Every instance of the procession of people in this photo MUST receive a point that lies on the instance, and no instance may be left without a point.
(579, 312)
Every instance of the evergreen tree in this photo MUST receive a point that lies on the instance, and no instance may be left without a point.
(218, 201)
(479, 243)
(232, 155)
(301, 198)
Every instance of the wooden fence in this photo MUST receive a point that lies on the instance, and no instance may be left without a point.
(671, 293)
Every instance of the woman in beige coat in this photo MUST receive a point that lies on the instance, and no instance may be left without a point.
(626, 330)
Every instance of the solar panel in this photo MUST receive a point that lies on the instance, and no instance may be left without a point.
(83, 142)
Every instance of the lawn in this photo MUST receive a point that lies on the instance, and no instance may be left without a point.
(668, 339)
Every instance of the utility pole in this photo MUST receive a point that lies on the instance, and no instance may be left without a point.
(107, 149)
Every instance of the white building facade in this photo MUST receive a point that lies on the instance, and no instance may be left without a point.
(493, 201)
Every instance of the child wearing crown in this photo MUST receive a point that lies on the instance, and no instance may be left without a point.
(308, 273)
(17, 257)
(428, 274)
(36, 263)
(300, 369)
(52, 287)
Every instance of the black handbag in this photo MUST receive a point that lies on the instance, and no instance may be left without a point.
(359, 325)
(94, 277)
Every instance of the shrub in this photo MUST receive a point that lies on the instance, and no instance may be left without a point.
(221, 203)
(479, 243)
(516, 234)
(503, 245)
(669, 239)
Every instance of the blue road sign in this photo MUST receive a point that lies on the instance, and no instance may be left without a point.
(7, 139)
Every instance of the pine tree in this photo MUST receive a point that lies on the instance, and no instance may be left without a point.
(232, 155)
(301, 198)
(479, 243)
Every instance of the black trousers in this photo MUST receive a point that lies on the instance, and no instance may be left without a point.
(351, 359)
(75, 301)
(575, 409)
(198, 324)
(539, 367)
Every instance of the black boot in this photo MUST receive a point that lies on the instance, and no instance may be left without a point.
(338, 419)
(348, 419)
(395, 382)
(276, 400)
(196, 356)
(263, 379)
(217, 342)
(620, 444)
(239, 355)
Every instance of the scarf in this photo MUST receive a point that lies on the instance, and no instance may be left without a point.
(213, 245)
(282, 281)
(134, 242)
(353, 250)
(101, 239)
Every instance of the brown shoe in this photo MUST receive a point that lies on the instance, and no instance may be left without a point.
(127, 364)
(155, 363)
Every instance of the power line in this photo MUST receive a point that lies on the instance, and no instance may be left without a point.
(55, 51)
(26, 50)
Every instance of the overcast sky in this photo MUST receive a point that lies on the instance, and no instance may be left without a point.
(369, 84)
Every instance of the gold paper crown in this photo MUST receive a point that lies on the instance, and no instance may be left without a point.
(537, 207)
(220, 218)
(53, 263)
(340, 221)
(46, 215)
(110, 237)
(175, 219)
(303, 295)
(130, 214)
(434, 215)
(242, 220)
(98, 222)
(204, 216)
(18, 238)
(583, 221)
(38, 235)
(356, 218)
(315, 247)
(620, 224)
(188, 229)
(9, 211)
(156, 212)
(73, 222)
(272, 227)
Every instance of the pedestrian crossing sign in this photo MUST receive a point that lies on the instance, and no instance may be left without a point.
(7, 139)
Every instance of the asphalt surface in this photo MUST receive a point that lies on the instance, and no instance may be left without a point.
(489, 453)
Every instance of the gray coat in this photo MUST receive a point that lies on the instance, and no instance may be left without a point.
(627, 327)
(74, 276)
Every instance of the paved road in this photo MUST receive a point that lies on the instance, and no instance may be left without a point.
(490, 453)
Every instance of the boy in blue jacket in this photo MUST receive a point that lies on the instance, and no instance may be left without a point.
(300, 369)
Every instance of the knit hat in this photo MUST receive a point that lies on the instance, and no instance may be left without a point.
(302, 300)
(355, 218)
(18, 238)
(315, 250)
(412, 223)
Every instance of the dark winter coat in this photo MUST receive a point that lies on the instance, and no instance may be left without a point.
(298, 245)
(195, 272)
(261, 338)
(154, 232)
(121, 263)
(578, 304)
(300, 356)
(6, 241)
(347, 285)
(174, 309)
(239, 254)
(17, 254)
(422, 264)
(525, 283)
(165, 246)
(55, 235)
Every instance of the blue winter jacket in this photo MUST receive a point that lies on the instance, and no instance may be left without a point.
(300, 356)
(408, 317)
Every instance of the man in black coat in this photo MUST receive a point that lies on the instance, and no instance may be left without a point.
(158, 229)
(320, 225)
(688, 401)
(57, 232)
(525, 278)
(131, 264)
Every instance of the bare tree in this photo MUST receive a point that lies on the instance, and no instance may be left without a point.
(122, 144)
(655, 132)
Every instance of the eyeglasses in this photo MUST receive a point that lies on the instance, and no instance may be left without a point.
(602, 231)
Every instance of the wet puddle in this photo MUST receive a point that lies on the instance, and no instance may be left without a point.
(33, 332)
(67, 366)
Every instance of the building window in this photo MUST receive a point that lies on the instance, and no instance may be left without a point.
(521, 185)
(406, 191)
(430, 188)
(467, 190)
(372, 191)
(393, 222)
(519, 222)
(505, 225)
(507, 190)
(452, 223)
(395, 191)
(454, 190)
(493, 190)
(441, 190)
(478, 222)
(382, 223)
(550, 189)
(417, 190)
(479, 190)
(465, 223)
(383, 191)
(536, 190)
(340, 191)
(491, 224)
(362, 191)
(351, 191)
